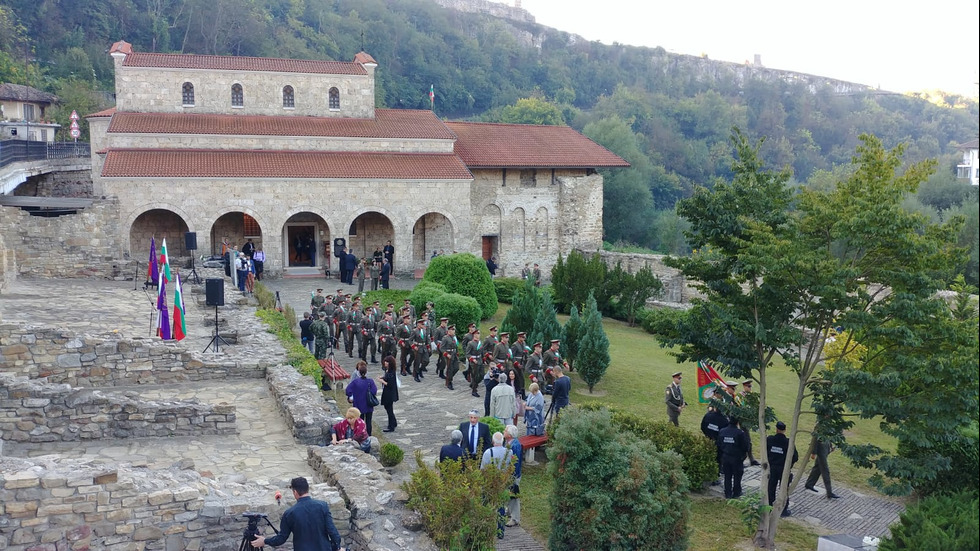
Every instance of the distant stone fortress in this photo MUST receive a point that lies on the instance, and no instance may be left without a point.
(278, 150)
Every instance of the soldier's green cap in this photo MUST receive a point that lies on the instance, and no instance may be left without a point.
(453, 327)
(678, 374)
(322, 314)
(536, 345)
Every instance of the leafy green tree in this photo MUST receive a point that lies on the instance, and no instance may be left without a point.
(633, 290)
(779, 272)
(532, 111)
(613, 490)
(593, 349)
(523, 310)
(574, 278)
(573, 334)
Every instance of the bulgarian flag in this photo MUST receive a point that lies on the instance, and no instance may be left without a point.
(180, 327)
(163, 319)
(152, 270)
(432, 94)
(165, 260)
(709, 382)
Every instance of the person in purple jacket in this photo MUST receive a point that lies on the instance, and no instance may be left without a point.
(357, 393)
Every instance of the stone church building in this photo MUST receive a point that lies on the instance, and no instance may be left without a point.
(283, 150)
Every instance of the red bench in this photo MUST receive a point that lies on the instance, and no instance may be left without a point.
(530, 443)
(332, 371)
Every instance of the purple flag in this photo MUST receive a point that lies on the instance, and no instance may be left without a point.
(163, 317)
(152, 271)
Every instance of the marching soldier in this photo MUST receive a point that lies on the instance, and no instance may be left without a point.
(674, 399)
(551, 360)
(368, 331)
(420, 348)
(329, 308)
(519, 351)
(356, 324)
(534, 365)
(404, 336)
(411, 309)
(340, 322)
(469, 335)
(474, 362)
(320, 336)
(386, 335)
(490, 342)
(437, 335)
(502, 353)
(316, 300)
(449, 350)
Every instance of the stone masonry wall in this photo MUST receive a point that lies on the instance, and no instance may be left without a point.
(295, 143)
(52, 504)
(35, 411)
(93, 361)
(301, 404)
(66, 183)
(84, 244)
(677, 291)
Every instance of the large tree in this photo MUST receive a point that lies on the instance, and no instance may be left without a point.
(780, 271)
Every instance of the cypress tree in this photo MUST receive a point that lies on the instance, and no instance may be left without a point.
(573, 336)
(593, 349)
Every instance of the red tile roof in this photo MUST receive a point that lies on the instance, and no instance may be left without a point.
(491, 145)
(234, 63)
(122, 47)
(388, 123)
(105, 113)
(210, 163)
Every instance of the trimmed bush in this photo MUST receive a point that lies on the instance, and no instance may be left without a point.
(425, 291)
(390, 454)
(506, 287)
(494, 424)
(698, 452)
(937, 522)
(386, 296)
(458, 501)
(461, 310)
(612, 490)
(467, 275)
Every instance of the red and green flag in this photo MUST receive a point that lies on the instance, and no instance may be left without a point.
(432, 95)
(180, 326)
(709, 382)
(165, 260)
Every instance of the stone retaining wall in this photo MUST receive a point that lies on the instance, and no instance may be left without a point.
(677, 291)
(83, 244)
(50, 504)
(86, 361)
(301, 404)
(35, 411)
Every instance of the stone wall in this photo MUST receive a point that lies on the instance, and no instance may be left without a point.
(159, 90)
(301, 405)
(68, 183)
(51, 504)
(677, 291)
(295, 143)
(85, 244)
(94, 361)
(34, 411)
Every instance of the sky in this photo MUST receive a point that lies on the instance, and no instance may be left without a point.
(898, 46)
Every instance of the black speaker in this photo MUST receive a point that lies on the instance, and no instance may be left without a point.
(214, 290)
(190, 241)
(338, 246)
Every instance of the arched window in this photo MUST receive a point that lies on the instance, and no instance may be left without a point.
(288, 99)
(187, 92)
(237, 96)
(334, 98)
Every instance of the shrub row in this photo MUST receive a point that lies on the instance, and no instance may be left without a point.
(506, 287)
(466, 275)
(296, 354)
(461, 310)
(387, 296)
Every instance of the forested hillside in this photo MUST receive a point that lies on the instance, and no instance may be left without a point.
(669, 115)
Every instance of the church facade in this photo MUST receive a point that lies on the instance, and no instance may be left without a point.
(294, 155)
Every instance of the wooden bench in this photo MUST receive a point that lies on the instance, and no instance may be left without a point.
(332, 371)
(531, 443)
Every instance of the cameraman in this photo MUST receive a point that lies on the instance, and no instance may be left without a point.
(309, 519)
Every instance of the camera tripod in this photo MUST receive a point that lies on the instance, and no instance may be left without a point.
(252, 530)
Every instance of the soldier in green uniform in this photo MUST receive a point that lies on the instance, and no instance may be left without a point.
(328, 308)
(320, 335)
(534, 365)
(386, 335)
(449, 350)
(403, 334)
(437, 335)
(420, 348)
(368, 332)
(474, 361)
(411, 310)
(502, 353)
(356, 323)
(316, 300)
(674, 399)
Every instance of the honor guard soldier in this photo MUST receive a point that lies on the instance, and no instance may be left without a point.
(404, 337)
(437, 335)
(340, 322)
(552, 360)
(474, 362)
(468, 336)
(420, 348)
(502, 353)
(356, 323)
(491, 341)
(386, 335)
(674, 399)
(329, 308)
(316, 301)
(734, 445)
(411, 310)
(368, 332)
(777, 446)
(534, 365)
(449, 350)
(321, 336)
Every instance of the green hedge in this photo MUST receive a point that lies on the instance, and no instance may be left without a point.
(460, 310)
(506, 287)
(939, 523)
(424, 292)
(699, 463)
(467, 275)
(297, 355)
(386, 296)
(964, 455)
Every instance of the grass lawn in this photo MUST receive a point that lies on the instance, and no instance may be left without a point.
(635, 381)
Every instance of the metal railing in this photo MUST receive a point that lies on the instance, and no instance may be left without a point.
(16, 151)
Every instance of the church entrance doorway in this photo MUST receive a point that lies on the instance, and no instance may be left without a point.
(489, 246)
(301, 245)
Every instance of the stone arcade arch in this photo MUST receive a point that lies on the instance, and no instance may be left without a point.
(432, 231)
(296, 230)
(158, 223)
(369, 230)
(234, 228)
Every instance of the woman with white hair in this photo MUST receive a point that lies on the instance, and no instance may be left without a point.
(503, 403)
(499, 457)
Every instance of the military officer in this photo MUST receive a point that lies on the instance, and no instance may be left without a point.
(674, 399)
(356, 323)
(320, 336)
(316, 300)
(437, 335)
(368, 332)
(449, 349)
(502, 353)
(411, 309)
(534, 365)
(329, 308)
(386, 335)
(403, 334)
(420, 348)
(474, 362)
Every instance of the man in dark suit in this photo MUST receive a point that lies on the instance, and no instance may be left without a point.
(476, 435)
(389, 254)
(453, 450)
(385, 274)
